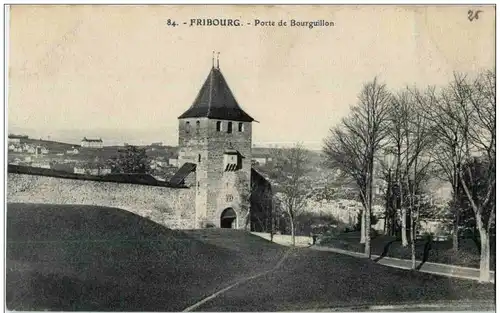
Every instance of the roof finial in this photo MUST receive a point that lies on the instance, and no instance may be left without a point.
(218, 53)
(213, 56)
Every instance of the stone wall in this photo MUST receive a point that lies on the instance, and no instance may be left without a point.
(171, 207)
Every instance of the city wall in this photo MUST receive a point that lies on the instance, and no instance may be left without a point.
(171, 207)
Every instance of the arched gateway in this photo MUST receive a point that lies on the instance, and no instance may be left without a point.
(228, 218)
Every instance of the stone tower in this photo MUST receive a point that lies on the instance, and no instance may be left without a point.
(215, 135)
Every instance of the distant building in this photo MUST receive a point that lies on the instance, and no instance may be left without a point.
(91, 170)
(156, 164)
(79, 170)
(173, 162)
(41, 165)
(157, 144)
(73, 151)
(92, 143)
(261, 159)
(38, 150)
(16, 138)
(30, 149)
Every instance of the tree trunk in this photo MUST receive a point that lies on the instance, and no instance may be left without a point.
(367, 231)
(404, 237)
(484, 265)
(363, 229)
(292, 229)
(456, 220)
(412, 239)
(455, 230)
(271, 234)
(368, 215)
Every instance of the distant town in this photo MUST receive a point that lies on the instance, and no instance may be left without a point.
(91, 155)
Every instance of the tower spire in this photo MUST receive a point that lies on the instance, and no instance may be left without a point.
(213, 56)
(218, 53)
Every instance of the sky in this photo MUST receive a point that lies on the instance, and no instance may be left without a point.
(122, 74)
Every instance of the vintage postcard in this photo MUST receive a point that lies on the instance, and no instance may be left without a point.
(250, 158)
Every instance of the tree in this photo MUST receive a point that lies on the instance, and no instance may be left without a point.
(398, 116)
(344, 150)
(352, 146)
(441, 111)
(476, 102)
(292, 185)
(130, 160)
(418, 142)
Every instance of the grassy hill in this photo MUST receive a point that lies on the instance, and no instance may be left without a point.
(105, 259)
(87, 258)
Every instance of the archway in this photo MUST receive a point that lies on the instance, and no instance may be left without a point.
(228, 218)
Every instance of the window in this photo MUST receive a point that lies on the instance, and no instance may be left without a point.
(197, 127)
(187, 127)
(240, 127)
(218, 125)
(229, 127)
(199, 158)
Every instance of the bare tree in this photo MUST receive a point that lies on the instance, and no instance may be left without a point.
(398, 117)
(345, 150)
(476, 102)
(292, 184)
(351, 146)
(441, 110)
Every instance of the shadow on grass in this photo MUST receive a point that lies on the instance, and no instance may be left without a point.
(386, 250)
(427, 248)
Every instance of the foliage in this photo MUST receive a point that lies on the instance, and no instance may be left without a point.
(310, 222)
(130, 160)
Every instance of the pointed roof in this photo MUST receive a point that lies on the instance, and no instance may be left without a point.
(215, 100)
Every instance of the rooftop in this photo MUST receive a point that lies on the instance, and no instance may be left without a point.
(215, 100)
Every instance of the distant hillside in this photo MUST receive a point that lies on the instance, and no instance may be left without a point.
(51, 145)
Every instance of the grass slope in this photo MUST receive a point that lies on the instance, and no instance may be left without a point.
(312, 280)
(87, 258)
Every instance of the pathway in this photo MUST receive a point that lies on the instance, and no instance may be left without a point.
(427, 267)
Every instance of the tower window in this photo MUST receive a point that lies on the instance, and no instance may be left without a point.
(199, 158)
(218, 125)
(187, 127)
(229, 127)
(240, 127)
(197, 127)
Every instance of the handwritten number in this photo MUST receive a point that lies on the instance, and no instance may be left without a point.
(473, 15)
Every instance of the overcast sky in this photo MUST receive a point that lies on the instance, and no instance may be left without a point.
(118, 72)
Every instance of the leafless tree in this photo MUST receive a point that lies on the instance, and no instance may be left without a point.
(352, 145)
(440, 108)
(292, 185)
(476, 102)
(398, 117)
(345, 150)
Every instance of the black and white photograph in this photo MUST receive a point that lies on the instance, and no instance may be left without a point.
(250, 157)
